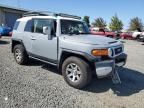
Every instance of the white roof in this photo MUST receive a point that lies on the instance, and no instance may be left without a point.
(45, 17)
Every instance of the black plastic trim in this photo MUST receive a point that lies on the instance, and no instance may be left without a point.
(18, 40)
(43, 58)
(87, 56)
(121, 58)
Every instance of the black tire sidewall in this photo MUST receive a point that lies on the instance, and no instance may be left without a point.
(138, 38)
(23, 54)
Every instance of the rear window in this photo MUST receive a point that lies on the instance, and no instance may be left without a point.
(29, 26)
(16, 25)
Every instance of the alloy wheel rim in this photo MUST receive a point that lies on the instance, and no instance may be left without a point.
(73, 72)
(18, 55)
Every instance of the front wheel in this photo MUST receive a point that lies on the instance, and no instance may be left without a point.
(76, 72)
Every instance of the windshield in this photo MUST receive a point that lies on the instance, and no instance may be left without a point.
(73, 27)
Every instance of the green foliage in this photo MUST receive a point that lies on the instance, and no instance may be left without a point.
(116, 24)
(86, 19)
(135, 23)
(99, 22)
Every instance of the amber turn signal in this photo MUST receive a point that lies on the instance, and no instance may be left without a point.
(100, 52)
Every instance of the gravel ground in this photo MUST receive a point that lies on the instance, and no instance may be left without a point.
(38, 85)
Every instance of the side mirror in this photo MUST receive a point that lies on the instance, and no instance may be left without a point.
(47, 31)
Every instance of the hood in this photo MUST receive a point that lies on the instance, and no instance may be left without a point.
(90, 39)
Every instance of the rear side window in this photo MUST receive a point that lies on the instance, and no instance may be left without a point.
(16, 25)
(29, 26)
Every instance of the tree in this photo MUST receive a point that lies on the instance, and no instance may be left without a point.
(116, 24)
(86, 19)
(100, 23)
(136, 24)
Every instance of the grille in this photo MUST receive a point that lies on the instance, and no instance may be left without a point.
(118, 50)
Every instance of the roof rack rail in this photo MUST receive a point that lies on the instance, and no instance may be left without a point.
(46, 13)
(69, 16)
(37, 14)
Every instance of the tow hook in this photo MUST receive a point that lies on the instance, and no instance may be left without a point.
(115, 76)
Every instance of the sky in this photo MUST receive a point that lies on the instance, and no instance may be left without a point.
(125, 9)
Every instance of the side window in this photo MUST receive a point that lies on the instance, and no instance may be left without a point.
(101, 30)
(16, 25)
(40, 23)
(29, 26)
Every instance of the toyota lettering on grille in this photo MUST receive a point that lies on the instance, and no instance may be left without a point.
(118, 50)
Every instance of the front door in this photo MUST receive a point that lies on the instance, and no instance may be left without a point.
(42, 47)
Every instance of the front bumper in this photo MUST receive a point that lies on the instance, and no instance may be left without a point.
(105, 68)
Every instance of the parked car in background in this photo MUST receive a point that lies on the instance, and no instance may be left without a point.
(4, 30)
(141, 38)
(102, 32)
(10, 33)
(126, 35)
(136, 34)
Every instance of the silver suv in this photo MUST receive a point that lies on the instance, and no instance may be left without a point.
(65, 41)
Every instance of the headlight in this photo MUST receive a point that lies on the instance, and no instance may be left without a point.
(110, 52)
(100, 52)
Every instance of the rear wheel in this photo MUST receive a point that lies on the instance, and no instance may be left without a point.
(76, 72)
(20, 54)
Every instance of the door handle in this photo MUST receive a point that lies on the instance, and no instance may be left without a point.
(32, 38)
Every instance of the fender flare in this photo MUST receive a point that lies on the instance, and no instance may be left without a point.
(83, 54)
(14, 41)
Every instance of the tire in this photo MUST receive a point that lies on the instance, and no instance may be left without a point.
(117, 36)
(78, 77)
(137, 38)
(20, 54)
(110, 36)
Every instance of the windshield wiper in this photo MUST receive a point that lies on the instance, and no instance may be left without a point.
(73, 33)
(77, 33)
